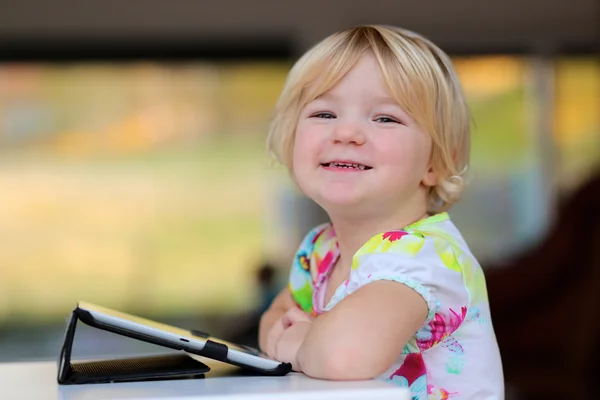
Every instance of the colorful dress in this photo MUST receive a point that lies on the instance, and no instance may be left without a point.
(454, 355)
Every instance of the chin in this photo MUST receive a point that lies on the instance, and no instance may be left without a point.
(334, 197)
(338, 201)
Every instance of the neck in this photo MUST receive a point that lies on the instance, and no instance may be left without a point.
(353, 231)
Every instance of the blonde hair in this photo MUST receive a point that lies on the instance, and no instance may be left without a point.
(421, 79)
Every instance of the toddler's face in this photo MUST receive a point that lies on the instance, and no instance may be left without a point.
(356, 150)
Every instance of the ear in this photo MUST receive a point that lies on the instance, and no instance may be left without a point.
(430, 177)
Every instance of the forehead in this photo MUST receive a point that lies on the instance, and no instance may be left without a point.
(364, 78)
(366, 72)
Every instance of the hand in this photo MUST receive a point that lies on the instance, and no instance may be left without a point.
(273, 337)
(286, 348)
(292, 316)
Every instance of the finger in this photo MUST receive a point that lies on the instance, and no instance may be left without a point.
(287, 321)
(273, 337)
(296, 315)
(277, 350)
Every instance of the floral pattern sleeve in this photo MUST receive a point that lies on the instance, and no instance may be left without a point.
(410, 259)
(301, 280)
(446, 356)
(454, 354)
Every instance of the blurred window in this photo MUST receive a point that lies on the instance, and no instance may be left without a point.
(133, 185)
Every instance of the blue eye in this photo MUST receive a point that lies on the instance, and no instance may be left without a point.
(386, 120)
(323, 115)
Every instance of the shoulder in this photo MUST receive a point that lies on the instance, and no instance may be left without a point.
(428, 256)
(301, 279)
(316, 235)
(431, 242)
(313, 241)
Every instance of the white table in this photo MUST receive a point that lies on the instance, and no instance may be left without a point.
(37, 380)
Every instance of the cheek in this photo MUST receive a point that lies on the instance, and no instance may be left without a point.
(305, 147)
(405, 152)
(301, 173)
(301, 158)
(298, 152)
(395, 153)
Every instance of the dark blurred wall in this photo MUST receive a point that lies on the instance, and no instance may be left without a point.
(459, 26)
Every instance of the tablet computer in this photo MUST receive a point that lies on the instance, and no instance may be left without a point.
(190, 341)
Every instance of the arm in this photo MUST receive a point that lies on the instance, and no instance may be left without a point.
(364, 334)
(282, 303)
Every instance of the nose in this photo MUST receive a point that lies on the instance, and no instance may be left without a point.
(349, 133)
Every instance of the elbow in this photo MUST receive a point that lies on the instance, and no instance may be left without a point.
(343, 364)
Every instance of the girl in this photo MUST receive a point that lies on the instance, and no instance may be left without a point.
(372, 125)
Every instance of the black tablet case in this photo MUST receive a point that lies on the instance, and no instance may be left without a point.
(158, 367)
(171, 366)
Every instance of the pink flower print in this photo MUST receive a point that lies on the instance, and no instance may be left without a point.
(412, 374)
(445, 395)
(442, 394)
(411, 369)
(324, 264)
(441, 329)
(394, 235)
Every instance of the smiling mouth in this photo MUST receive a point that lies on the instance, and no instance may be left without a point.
(343, 165)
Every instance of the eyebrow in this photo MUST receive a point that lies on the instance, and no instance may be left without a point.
(385, 100)
(376, 100)
(328, 96)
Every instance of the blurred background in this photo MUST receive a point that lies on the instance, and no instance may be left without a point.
(133, 170)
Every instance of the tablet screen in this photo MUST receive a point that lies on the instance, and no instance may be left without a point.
(169, 328)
